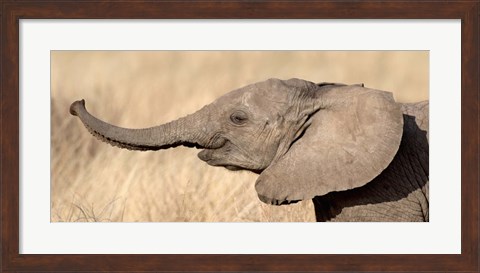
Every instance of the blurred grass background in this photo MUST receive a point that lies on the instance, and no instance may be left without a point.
(93, 181)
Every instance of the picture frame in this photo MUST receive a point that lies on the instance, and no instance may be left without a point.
(13, 11)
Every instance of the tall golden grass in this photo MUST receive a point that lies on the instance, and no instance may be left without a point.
(93, 181)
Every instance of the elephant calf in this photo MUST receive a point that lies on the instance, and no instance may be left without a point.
(354, 151)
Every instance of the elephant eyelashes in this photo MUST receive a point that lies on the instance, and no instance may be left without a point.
(239, 117)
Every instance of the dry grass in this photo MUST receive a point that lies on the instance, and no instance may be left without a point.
(92, 181)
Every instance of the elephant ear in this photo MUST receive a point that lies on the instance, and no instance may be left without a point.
(352, 138)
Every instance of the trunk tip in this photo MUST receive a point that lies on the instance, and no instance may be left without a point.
(76, 106)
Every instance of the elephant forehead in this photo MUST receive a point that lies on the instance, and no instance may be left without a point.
(272, 92)
(253, 97)
(268, 102)
(246, 98)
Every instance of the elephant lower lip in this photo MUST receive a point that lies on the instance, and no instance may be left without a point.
(204, 155)
(232, 168)
(207, 156)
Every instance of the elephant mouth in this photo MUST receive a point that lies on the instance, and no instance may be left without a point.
(203, 155)
(208, 155)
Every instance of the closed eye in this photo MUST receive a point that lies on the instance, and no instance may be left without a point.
(239, 118)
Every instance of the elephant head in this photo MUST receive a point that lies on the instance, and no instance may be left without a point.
(303, 139)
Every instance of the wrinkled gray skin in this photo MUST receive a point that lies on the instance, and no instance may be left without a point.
(354, 151)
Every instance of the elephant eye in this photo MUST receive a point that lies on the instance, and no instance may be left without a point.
(239, 117)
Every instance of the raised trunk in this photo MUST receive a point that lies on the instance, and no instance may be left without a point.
(184, 131)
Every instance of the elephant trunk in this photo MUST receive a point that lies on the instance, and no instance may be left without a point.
(183, 131)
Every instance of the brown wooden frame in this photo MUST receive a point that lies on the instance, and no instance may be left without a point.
(12, 11)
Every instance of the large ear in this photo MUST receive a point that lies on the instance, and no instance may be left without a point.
(352, 138)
